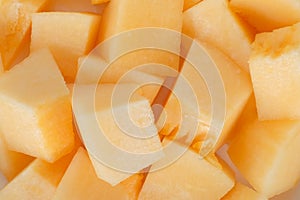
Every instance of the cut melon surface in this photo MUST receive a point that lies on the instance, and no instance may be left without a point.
(36, 111)
(268, 15)
(81, 182)
(189, 177)
(240, 191)
(15, 22)
(266, 152)
(274, 68)
(189, 3)
(77, 30)
(213, 21)
(95, 2)
(73, 6)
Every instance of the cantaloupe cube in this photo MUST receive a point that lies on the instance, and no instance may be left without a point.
(189, 177)
(36, 111)
(213, 21)
(127, 124)
(81, 182)
(189, 3)
(11, 163)
(240, 191)
(237, 87)
(266, 152)
(126, 15)
(15, 21)
(268, 15)
(99, 1)
(274, 67)
(38, 181)
(72, 35)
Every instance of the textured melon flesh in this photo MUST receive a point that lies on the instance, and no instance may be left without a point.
(189, 177)
(72, 6)
(237, 89)
(189, 3)
(240, 191)
(15, 21)
(38, 181)
(99, 1)
(266, 152)
(11, 163)
(138, 121)
(213, 21)
(274, 67)
(36, 111)
(268, 15)
(78, 32)
(125, 15)
(81, 182)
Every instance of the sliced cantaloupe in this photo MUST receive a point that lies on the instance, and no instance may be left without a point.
(81, 182)
(131, 131)
(237, 87)
(11, 163)
(72, 35)
(99, 1)
(38, 181)
(213, 21)
(189, 177)
(189, 3)
(126, 15)
(240, 191)
(15, 21)
(266, 152)
(268, 15)
(36, 111)
(274, 67)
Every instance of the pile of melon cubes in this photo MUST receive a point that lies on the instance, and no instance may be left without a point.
(47, 151)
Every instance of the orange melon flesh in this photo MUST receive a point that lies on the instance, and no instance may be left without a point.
(1, 65)
(241, 191)
(99, 1)
(36, 111)
(189, 3)
(268, 15)
(11, 163)
(237, 96)
(125, 15)
(38, 181)
(15, 22)
(137, 121)
(189, 177)
(213, 21)
(81, 182)
(266, 152)
(274, 67)
(78, 32)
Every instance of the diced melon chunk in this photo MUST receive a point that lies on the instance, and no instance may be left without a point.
(126, 15)
(72, 35)
(36, 111)
(189, 3)
(213, 21)
(72, 6)
(268, 14)
(266, 152)
(240, 191)
(81, 182)
(237, 87)
(11, 163)
(15, 21)
(275, 72)
(38, 181)
(189, 177)
(99, 1)
(127, 124)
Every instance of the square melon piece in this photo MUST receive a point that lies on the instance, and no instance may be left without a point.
(81, 182)
(15, 23)
(126, 122)
(274, 67)
(36, 110)
(266, 152)
(72, 35)
(214, 22)
(240, 191)
(268, 15)
(189, 177)
(125, 15)
(12, 163)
